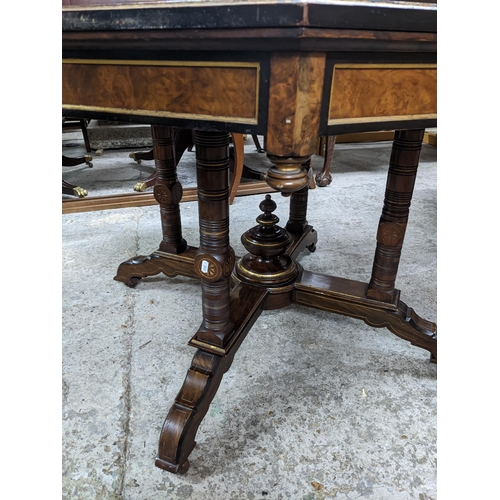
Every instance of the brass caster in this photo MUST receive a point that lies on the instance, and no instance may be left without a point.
(88, 161)
(140, 187)
(80, 192)
(132, 155)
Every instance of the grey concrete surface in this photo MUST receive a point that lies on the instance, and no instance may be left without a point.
(111, 135)
(315, 405)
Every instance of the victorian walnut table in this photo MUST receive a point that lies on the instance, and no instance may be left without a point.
(290, 70)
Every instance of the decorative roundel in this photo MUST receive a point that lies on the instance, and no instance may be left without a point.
(177, 193)
(208, 267)
(162, 194)
(391, 233)
(229, 263)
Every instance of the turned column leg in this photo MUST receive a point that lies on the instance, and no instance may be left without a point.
(167, 190)
(173, 256)
(215, 258)
(297, 221)
(292, 177)
(182, 140)
(213, 263)
(392, 226)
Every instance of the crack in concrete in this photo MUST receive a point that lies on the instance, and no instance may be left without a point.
(127, 372)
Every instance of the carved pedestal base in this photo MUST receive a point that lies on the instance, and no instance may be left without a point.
(269, 277)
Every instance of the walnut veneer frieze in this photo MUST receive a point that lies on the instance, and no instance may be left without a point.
(219, 91)
(382, 92)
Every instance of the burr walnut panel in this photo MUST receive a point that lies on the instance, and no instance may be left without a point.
(219, 91)
(370, 92)
(295, 92)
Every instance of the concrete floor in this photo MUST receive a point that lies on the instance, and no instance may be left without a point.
(315, 406)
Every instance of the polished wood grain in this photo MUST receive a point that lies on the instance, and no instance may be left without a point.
(293, 124)
(295, 93)
(365, 92)
(221, 91)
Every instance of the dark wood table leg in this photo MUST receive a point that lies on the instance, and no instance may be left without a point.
(173, 256)
(392, 226)
(304, 236)
(391, 232)
(177, 438)
(214, 263)
(71, 189)
(324, 178)
(168, 190)
(215, 258)
(182, 141)
(259, 148)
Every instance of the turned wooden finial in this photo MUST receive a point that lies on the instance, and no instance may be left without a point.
(267, 206)
(266, 262)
